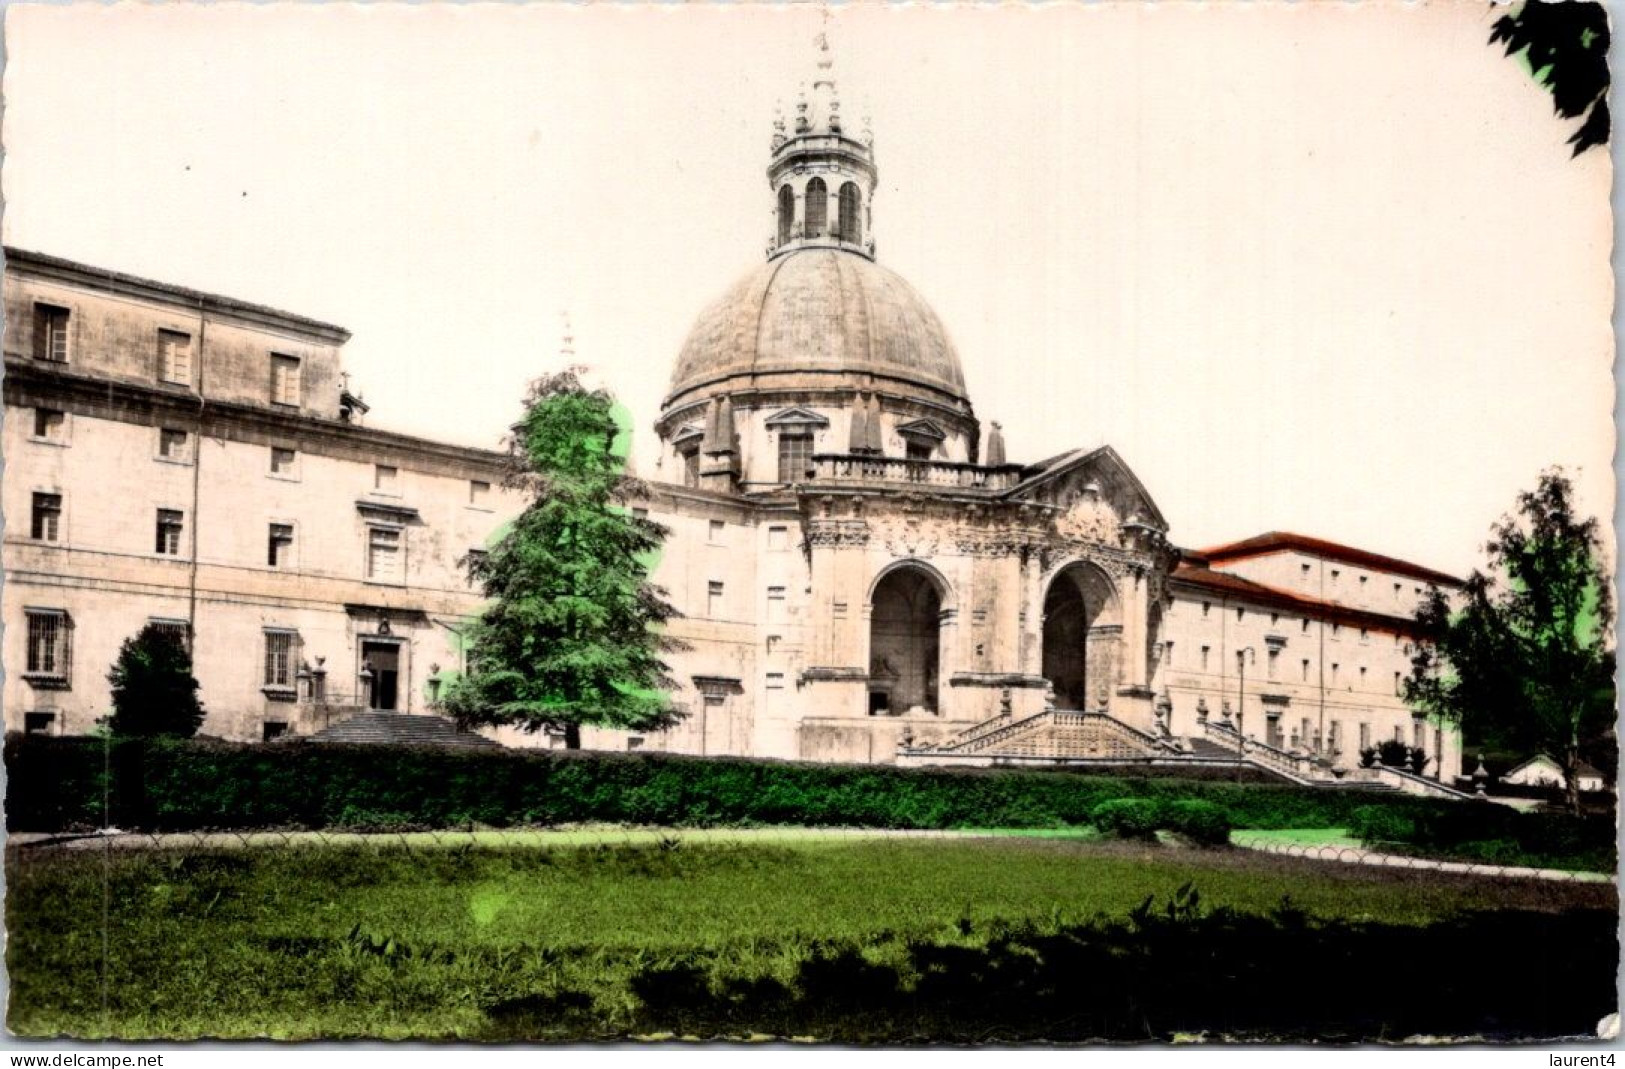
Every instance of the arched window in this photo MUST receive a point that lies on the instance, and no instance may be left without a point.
(787, 212)
(850, 227)
(817, 212)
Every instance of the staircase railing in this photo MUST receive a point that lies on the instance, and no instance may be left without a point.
(1294, 766)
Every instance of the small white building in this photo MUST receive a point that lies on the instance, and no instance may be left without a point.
(1543, 771)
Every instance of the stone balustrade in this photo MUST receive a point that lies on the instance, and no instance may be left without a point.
(847, 469)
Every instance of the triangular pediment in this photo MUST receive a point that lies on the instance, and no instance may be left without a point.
(1090, 478)
(922, 429)
(686, 432)
(796, 417)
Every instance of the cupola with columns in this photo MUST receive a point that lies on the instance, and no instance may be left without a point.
(820, 353)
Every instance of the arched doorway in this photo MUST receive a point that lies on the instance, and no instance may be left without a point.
(905, 621)
(1083, 631)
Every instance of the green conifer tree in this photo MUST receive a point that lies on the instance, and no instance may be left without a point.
(154, 692)
(574, 631)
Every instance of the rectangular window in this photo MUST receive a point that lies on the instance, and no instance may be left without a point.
(473, 565)
(176, 629)
(279, 659)
(1274, 662)
(1306, 669)
(48, 650)
(795, 457)
(917, 451)
(1335, 667)
(717, 527)
(282, 461)
(775, 681)
(479, 493)
(1240, 614)
(385, 477)
(1204, 658)
(714, 598)
(1336, 574)
(175, 357)
(1365, 736)
(279, 546)
(284, 379)
(1335, 741)
(173, 444)
(1205, 607)
(1418, 735)
(47, 518)
(691, 468)
(1398, 591)
(273, 729)
(38, 723)
(168, 540)
(1365, 634)
(1362, 677)
(384, 554)
(50, 425)
(1399, 687)
(1363, 578)
(51, 333)
(778, 538)
(1337, 629)
(1305, 628)
(640, 514)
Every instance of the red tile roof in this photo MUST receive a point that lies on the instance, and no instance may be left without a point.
(1286, 541)
(1191, 572)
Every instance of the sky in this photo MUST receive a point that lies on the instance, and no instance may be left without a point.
(1325, 268)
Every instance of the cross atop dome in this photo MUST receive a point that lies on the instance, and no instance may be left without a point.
(822, 176)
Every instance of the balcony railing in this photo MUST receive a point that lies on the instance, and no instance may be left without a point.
(849, 469)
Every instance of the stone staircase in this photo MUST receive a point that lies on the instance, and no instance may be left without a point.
(401, 729)
(1055, 734)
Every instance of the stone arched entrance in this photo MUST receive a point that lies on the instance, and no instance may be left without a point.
(905, 643)
(1083, 633)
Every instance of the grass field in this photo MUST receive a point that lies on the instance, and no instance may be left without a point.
(828, 938)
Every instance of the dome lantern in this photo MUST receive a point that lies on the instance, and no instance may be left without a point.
(822, 179)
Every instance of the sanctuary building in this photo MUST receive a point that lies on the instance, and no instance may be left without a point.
(864, 575)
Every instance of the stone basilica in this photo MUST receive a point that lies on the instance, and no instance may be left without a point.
(864, 575)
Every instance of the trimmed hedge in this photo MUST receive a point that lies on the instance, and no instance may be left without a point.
(1494, 834)
(1127, 818)
(57, 784)
(1199, 821)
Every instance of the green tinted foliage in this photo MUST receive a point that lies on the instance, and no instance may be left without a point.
(154, 692)
(573, 633)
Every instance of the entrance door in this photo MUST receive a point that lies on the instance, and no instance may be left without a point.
(384, 658)
(1272, 734)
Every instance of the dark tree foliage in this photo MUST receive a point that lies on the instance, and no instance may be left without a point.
(1568, 53)
(154, 692)
(573, 634)
(1524, 660)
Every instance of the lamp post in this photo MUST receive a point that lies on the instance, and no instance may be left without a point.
(1242, 656)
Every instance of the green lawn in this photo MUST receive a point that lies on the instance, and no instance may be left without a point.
(675, 933)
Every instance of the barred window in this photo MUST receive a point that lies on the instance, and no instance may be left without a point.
(48, 649)
(176, 629)
(46, 522)
(175, 357)
(284, 379)
(168, 538)
(51, 333)
(279, 658)
(279, 545)
(384, 554)
(795, 457)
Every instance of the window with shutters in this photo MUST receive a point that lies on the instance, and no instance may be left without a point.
(279, 546)
(284, 379)
(795, 457)
(46, 522)
(384, 554)
(284, 462)
(49, 650)
(174, 445)
(175, 357)
(50, 425)
(51, 333)
(168, 538)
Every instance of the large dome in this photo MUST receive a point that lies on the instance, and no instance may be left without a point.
(822, 315)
